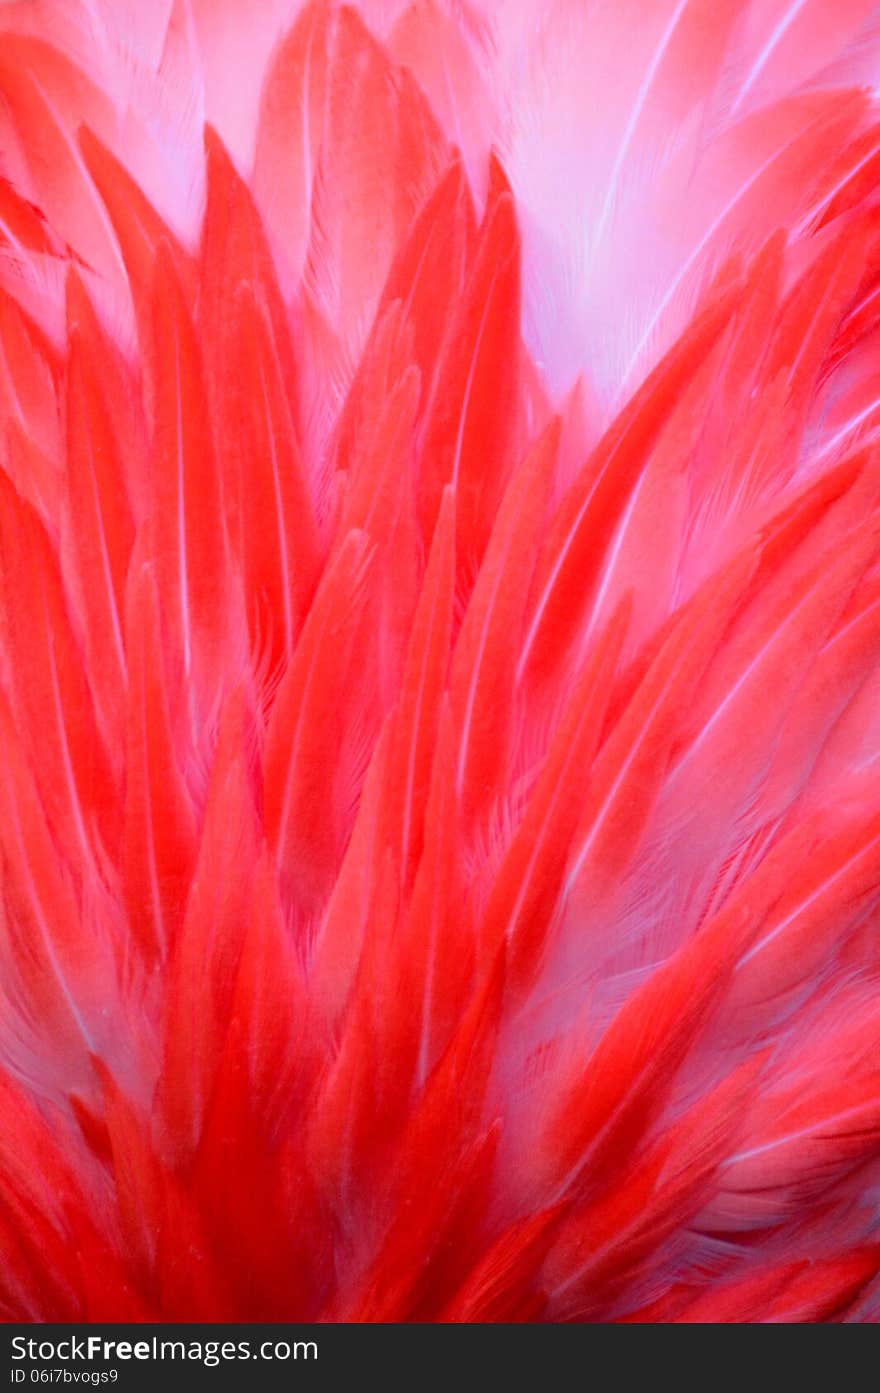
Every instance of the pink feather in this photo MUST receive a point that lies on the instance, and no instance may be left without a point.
(439, 660)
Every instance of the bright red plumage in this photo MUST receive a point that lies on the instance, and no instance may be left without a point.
(439, 660)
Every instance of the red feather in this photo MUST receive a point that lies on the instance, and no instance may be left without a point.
(439, 661)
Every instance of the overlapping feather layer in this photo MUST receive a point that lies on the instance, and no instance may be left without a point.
(440, 660)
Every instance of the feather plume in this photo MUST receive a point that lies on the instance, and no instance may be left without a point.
(439, 660)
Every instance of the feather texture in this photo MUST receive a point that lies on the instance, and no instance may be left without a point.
(439, 660)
